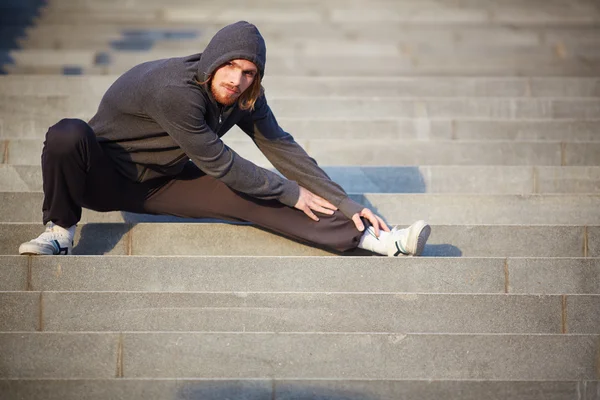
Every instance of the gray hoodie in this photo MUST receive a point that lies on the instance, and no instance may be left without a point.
(156, 117)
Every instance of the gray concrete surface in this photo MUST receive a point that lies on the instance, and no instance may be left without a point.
(324, 389)
(385, 356)
(310, 312)
(396, 208)
(406, 179)
(331, 86)
(215, 239)
(364, 152)
(59, 106)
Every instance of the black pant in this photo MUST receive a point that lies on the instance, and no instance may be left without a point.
(77, 173)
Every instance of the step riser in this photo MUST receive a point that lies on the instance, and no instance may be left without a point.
(422, 129)
(400, 209)
(385, 153)
(423, 179)
(500, 108)
(216, 239)
(458, 68)
(281, 355)
(299, 389)
(301, 312)
(285, 86)
(292, 274)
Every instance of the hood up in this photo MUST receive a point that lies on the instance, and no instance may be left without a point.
(239, 40)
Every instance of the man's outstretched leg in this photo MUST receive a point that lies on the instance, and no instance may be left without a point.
(196, 195)
(69, 151)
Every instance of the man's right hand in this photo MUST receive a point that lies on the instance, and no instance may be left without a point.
(309, 202)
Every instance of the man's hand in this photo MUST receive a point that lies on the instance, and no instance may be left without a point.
(375, 220)
(308, 201)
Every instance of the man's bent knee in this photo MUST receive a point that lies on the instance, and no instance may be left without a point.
(63, 137)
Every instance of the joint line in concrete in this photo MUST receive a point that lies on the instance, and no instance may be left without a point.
(564, 314)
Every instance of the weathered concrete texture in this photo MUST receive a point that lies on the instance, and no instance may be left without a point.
(402, 209)
(58, 355)
(20, 311)
(567, 180)
(593, 241)
(209, 239)
(301, 312)
(433, 390)
(422, 128)
(556, 130)
(367, 153)
(353, 67)
(406, 179)
(143, 389)
(383, 152)
(583, 314)
(267, 274)
(191, 239)
(511, 241)
(361, 356)
(13, 270)
(206, 389)
(21, 178)
(346, 107)
(554, 275)
(484, 209)
(299, 86)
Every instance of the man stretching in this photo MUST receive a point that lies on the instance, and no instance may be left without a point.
(154, 147)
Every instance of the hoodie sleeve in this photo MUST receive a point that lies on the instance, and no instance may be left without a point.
(183, 119)
(289, 158)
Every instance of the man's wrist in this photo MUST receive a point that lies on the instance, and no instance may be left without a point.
(349, 207)
(291, 193)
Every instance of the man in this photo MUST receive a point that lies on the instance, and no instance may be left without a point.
(154, 147)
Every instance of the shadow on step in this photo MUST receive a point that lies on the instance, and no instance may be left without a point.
(263, 390)
(15, 17)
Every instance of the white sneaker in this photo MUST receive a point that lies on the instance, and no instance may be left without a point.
(409, 241)
(56, 240)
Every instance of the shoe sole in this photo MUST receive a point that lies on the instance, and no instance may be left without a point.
(32, 250)
(418, 232)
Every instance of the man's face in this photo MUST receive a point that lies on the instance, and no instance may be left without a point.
(231, 79)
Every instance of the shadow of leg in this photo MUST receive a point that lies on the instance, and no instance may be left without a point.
(99, 239)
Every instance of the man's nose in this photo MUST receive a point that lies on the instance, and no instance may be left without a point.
(235, 77)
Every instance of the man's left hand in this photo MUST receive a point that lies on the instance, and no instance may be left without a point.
(375, 220)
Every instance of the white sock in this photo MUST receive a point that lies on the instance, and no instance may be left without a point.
(69, 232)
(370, 242)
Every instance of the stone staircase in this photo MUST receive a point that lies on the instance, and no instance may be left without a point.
(482, 117)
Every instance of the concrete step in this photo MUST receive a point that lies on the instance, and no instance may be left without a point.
(402, 209)
(216, 239)
(82, 41)
(320, 64)
(347, 107)
(409, 179)
(362, 67)
(164, 33)
(235, 274)
(299, 312)
(397, 13)
(421, 129)
(363, 152)
(299, 355)
(322, 389)
(302, 86)
(282, 41)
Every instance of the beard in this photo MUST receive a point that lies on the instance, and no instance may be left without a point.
(222, 96)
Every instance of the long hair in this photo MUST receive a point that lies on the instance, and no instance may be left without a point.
(248, 98)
